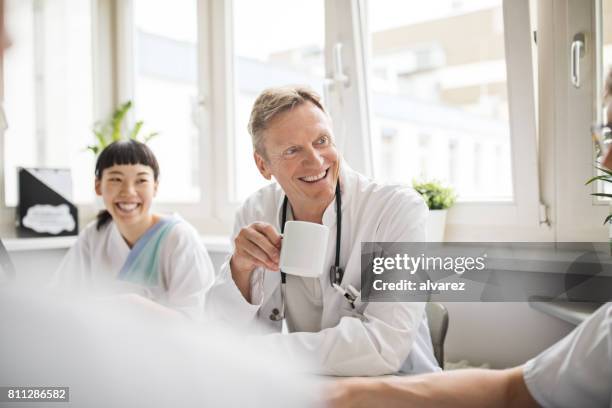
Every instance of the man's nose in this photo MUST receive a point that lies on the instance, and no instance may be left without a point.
(313, 157)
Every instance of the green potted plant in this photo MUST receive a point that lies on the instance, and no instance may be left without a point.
(113, 129)
(606, 177)
(439, 199)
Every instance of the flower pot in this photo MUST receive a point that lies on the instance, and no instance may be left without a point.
(436, 223)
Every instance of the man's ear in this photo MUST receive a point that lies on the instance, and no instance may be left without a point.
(155, 186)
(97, 187)
(262, 165)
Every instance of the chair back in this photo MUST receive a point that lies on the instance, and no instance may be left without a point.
(437, 318)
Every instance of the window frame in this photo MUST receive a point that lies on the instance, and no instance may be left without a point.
(101, 11)
(576, 215)
(346, 71)
(521, 218)
(204, 214)
(540, 132)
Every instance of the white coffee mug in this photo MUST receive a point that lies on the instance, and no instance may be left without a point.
(304, 248)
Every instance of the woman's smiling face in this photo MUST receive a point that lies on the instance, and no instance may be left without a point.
(128, 191)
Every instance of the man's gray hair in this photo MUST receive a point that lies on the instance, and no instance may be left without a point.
(271, 103)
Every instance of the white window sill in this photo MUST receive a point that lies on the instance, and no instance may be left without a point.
(213, 243)
(35, 244)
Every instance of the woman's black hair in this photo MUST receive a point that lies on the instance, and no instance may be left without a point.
(123, 152)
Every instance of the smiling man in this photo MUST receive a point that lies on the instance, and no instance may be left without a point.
(293, 143)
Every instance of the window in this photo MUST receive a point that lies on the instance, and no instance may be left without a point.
(567, 111)
(444, 93)
(407, 99)
(606, 51)
(48, 91)
(166, 92)
(276, 42)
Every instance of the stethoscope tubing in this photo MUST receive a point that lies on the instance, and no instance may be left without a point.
(336, 273)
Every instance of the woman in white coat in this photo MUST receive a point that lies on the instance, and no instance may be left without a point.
(129, 248)
(293, 142)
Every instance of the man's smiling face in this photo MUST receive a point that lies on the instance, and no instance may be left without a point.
(300, 155)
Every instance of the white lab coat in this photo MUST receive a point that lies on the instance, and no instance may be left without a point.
(384, 337)
(186, 272)
(577, 370)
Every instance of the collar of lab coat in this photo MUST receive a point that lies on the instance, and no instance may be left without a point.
(119, 242)
(329, 215)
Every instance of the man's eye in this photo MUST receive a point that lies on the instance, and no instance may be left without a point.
(290, 151)
(322, 140)
(114, 179)
(142, 180)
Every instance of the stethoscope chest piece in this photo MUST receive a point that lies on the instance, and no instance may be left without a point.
(275, 315)
(335, 274)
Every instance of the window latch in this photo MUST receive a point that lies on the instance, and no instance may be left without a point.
(576, 53)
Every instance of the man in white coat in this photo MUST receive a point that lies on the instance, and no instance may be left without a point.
(293, 142)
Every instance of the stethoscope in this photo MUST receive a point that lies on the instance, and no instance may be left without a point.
(336, 273)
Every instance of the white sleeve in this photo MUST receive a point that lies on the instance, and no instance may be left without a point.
(379, 342)
(225, 301)
(188, 271)
(74, 268)
(577, 370)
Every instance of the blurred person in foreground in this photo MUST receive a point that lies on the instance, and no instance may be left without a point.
(122, 352)
(574, 372)
(5, 40)
(115, 352)
(7, 272)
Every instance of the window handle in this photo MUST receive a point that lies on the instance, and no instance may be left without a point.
(576, 53)
(199, 104)
(338, 77)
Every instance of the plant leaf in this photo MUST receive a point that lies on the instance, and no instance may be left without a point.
(111, 130)
(101, 139)
(602, 195)
(435, 195)
(604, 170)
(134, 132)
(117, 120)
(150, 136)
(608, 218)
(604, 178)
